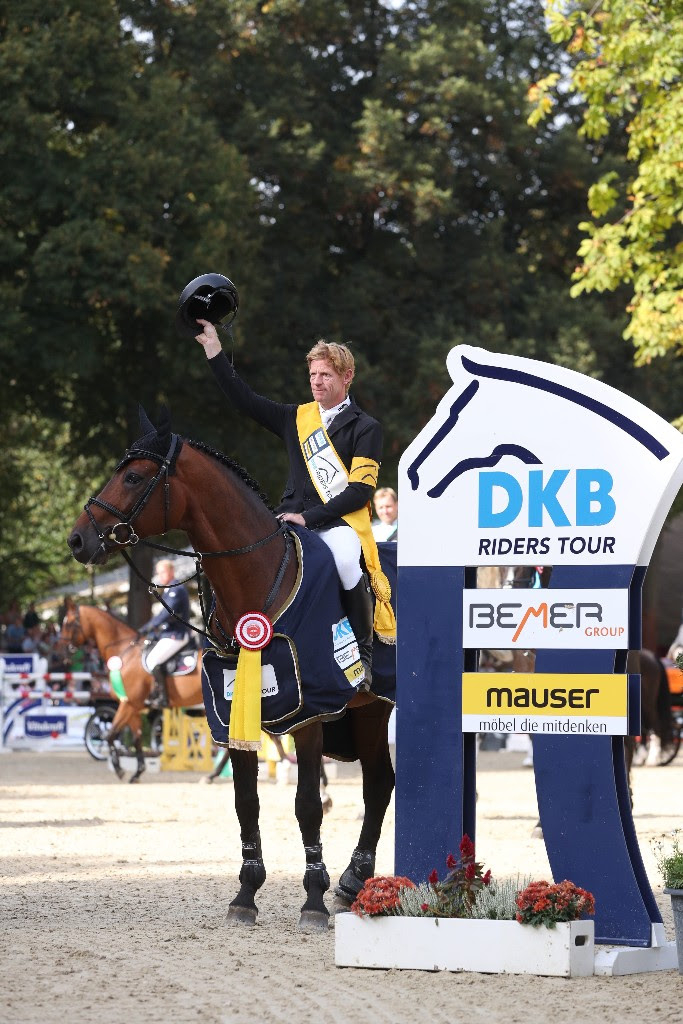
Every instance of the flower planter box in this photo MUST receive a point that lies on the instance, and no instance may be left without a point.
(487, 947)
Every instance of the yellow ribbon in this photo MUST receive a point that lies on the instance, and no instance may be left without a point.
(245, 712)
(364, 470)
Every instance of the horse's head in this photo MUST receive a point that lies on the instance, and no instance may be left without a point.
(135, 502)
(71, 634)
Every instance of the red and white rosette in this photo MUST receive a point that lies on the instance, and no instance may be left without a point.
(254, 631)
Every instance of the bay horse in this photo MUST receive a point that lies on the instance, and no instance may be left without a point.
(114, 637)
(165, 482)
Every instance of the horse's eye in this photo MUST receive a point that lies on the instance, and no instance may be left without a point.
(132, 478)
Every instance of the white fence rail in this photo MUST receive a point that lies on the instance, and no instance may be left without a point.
(36, 715)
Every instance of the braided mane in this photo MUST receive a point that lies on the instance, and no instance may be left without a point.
(233, 466)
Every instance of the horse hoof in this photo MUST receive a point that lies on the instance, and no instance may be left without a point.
(120, 774)
(206, 780)
(134, 778)
(242, 915)
(312, 921)
(327, 804)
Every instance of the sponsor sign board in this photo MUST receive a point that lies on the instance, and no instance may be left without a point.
(525, 463)
(545, 704)
(529, 464)
(22, 664)
(560, 619)
(45, 725)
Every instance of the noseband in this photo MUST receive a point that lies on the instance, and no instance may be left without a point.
(126, 521)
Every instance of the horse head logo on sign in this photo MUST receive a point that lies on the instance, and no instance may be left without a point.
(526, 463)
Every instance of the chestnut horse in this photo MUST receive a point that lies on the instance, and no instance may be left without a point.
(113, 637)
(165, 482)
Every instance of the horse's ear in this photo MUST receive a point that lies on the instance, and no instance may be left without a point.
(164, 422)
(146, 424)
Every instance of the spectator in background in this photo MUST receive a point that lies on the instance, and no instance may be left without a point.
(385, 527)
(31, 642)
(14, 635)
(9, 615)
(31, 617)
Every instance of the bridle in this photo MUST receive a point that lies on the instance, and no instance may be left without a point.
(73, 624)
(125, 522)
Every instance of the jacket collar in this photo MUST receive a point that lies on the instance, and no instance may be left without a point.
(347, 415)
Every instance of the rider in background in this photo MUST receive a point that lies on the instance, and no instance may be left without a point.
(172, 630)
(357, 440)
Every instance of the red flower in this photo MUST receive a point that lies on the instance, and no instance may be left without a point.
(380, 895)
(466, 846)
(544, 903)
(470, 872)
(451, 862)
(424, 907)
(487, 877)
(434, 877)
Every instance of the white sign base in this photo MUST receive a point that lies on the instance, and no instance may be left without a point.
(486, 947)
(620, 960)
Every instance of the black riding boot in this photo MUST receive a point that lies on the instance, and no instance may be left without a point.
(158, 698)
(358, 607)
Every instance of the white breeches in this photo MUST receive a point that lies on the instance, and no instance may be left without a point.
(164, 649)
(344, 544)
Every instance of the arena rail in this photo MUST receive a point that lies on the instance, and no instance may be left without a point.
(33, 717)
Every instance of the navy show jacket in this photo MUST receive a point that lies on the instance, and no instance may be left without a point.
(353, 433)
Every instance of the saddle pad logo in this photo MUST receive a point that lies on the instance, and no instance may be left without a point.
(346, 652)
(269, 685)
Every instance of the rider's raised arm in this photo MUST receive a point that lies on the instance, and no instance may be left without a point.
(271, 415)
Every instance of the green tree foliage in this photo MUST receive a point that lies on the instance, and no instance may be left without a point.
(42, 492)
(627, 60)
(117, 193)
(363, 171)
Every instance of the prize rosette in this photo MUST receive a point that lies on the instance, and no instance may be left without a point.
(254, 631)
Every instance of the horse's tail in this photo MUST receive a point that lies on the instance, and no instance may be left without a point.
(664, 715)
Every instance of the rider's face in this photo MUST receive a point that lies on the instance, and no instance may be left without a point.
(328, 386)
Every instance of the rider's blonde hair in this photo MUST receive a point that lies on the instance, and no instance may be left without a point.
(339, 355)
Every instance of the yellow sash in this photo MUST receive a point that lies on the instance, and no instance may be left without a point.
(330, 477)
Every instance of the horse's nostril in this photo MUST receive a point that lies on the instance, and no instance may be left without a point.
(75, 542)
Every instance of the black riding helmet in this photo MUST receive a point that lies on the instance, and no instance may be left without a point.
(212, 297)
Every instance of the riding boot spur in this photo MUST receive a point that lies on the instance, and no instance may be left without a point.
(357, 604)
(158, 698)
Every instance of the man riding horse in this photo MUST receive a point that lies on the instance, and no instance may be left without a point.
(170, 624)
(334, 451)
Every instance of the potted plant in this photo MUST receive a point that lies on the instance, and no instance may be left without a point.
(670, 863)
(468, 921)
